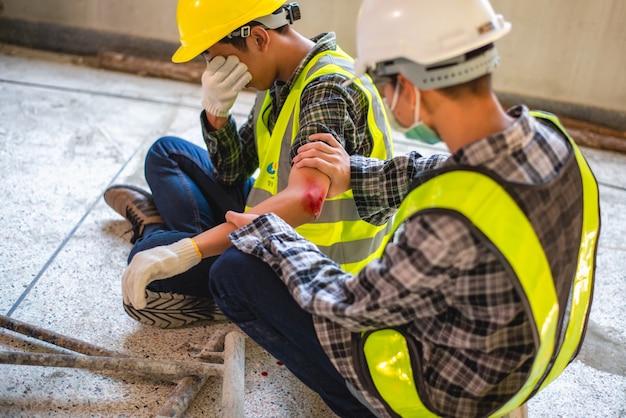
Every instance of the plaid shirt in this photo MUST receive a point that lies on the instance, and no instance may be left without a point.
(453, 292)
(325, 106)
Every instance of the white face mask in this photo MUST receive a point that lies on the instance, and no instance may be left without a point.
(394, 102)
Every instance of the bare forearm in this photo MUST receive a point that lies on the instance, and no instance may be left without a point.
(300, 203)
(214, 241)
(216, 122)
(292, 207)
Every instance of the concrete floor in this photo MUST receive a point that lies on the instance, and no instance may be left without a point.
(66, 133)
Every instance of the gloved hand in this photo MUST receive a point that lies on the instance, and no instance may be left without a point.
(222, 81)
(156, 264)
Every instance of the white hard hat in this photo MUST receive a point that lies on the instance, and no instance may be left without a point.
(429, 41)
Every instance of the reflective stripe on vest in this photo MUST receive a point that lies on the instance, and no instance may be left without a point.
(386, 351)
(583, 281)
(339, 231)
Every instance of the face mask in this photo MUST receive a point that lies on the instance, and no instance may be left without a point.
(423, 134)
(417, 130)
(394, 102)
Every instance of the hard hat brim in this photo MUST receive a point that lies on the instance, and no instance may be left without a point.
(184, 54)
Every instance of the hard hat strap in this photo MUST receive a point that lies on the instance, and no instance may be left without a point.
(442, 74)
(287, 14)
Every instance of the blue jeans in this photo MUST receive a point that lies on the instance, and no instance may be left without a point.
(190, 201)
(252, 296)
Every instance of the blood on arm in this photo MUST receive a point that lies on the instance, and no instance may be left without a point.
(313, 198)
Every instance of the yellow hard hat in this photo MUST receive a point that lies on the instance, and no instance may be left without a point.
(202, 23)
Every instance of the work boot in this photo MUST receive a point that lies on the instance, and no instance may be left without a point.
(171, 310)
(134, 204)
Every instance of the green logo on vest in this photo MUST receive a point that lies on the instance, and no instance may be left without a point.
(271, 168)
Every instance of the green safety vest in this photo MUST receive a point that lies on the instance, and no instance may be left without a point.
(339, 231)
(479, 198)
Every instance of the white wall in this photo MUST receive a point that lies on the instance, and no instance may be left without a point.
(571, 51)
(565, 50)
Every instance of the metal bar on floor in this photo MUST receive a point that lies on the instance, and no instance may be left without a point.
(53, 337)
(191, 376)
(172, 369)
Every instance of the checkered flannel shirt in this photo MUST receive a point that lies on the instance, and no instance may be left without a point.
(325, 107)
(454, 294)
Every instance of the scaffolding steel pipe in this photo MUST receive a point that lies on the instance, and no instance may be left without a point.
(191, 376)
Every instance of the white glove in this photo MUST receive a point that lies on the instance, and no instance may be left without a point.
(222, 81)
(156, 264)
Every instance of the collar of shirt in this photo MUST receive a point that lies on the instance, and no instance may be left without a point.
(323, 42)
(514, 139)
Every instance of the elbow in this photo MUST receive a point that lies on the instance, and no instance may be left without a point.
(312, 200)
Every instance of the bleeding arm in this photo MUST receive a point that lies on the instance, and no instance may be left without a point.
(299, 203)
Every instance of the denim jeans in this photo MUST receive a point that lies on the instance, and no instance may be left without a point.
(190, 201)
(252, 296)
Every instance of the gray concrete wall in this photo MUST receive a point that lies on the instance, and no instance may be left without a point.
(569, 51)
(566, 50)
(144, 18)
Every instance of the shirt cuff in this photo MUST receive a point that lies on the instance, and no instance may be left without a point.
(268, 237)
(212, 136)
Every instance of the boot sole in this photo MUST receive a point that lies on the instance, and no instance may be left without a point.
(171, 310)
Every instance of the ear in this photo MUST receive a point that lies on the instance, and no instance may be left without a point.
(259, 39)
(406, 85)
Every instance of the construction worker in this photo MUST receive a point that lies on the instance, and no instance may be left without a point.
(179, 229)
(482, 295)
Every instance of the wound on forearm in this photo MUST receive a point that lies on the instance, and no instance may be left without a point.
(313, 199)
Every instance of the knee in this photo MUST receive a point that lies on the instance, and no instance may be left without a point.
(238, 286)
(159, 158)
(161, 149)
(236, 273)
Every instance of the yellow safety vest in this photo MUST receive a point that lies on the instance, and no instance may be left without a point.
(490, 208)
(339, 231)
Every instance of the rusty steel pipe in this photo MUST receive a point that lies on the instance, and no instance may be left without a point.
(172, 369)
(233, 383)
(191, 376)
(53, 338)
